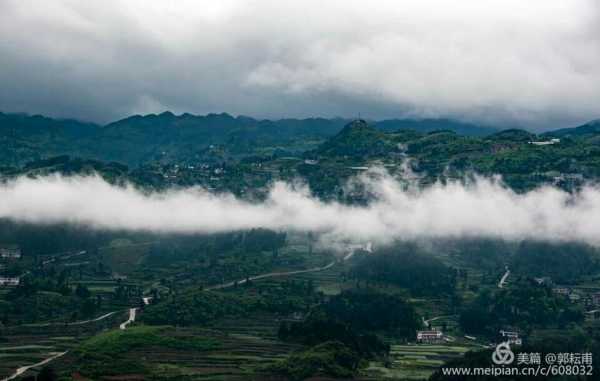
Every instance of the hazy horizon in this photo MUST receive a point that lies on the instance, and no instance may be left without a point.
(533, 65)
(491, 127)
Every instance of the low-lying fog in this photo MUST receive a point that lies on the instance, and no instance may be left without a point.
(479, 208)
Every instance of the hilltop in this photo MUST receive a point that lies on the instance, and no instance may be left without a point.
(357, 138)
(587, 129)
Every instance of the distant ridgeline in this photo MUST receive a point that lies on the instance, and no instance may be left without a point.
(141, 139)
(243, 155)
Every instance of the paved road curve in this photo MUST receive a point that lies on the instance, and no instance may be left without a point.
(133, 311)
(82, 322)
(132, 314)
(282, 273)
(503, 279)
(24, 369)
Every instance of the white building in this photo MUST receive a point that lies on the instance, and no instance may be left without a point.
(9, 282)
(592, 315)
(546, 142)
(430, 337)
(573, 297)
(511, 337)
(596, 299)
(543, 281)
(10, 252)
(561, 291)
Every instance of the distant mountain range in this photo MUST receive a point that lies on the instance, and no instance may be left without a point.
(590, 128)
(167, 137)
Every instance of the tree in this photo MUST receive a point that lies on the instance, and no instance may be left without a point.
(47, 374)
(88, 307)
(82, 291)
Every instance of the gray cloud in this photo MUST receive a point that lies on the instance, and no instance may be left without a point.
(534, 63)
(483, 208)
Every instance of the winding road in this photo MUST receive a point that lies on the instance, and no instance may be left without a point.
(427, 322)
(504, 277)
(24, 369)
(133, 311)
(132, 314)
(270, 275)
(62, 256)
(72, 323)
(283, 273)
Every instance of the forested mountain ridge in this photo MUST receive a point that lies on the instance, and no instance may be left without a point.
(237, 154)
(525, 160)
(589, 128)
(167, 137)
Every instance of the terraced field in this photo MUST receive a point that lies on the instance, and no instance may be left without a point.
(15, 357)
(124, 256)
(249, 344)
(329, 281)
(245, 345)
(29, 344)
(413, 362)
(242, 347)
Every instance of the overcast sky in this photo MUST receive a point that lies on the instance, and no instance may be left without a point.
(533, 63)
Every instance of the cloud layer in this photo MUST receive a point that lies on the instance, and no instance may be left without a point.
(534, 63)
(484, 208)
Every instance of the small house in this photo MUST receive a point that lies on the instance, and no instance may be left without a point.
(430, 337)
(543, 281)
(592, 315)
(510, 337)
(545, 142)
(10, 252)
(596, 298)
(9, 281)
(574, 297)
(565, 291)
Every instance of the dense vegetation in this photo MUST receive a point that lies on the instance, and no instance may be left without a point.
(167, 137)
(351, 317)
(35, 240)
(367, 310)
(407, 266)
(341, 333)
(197, 307)
(101, 355)
(564, 263)
(526, 305)
(330, 358)
(243, 156)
